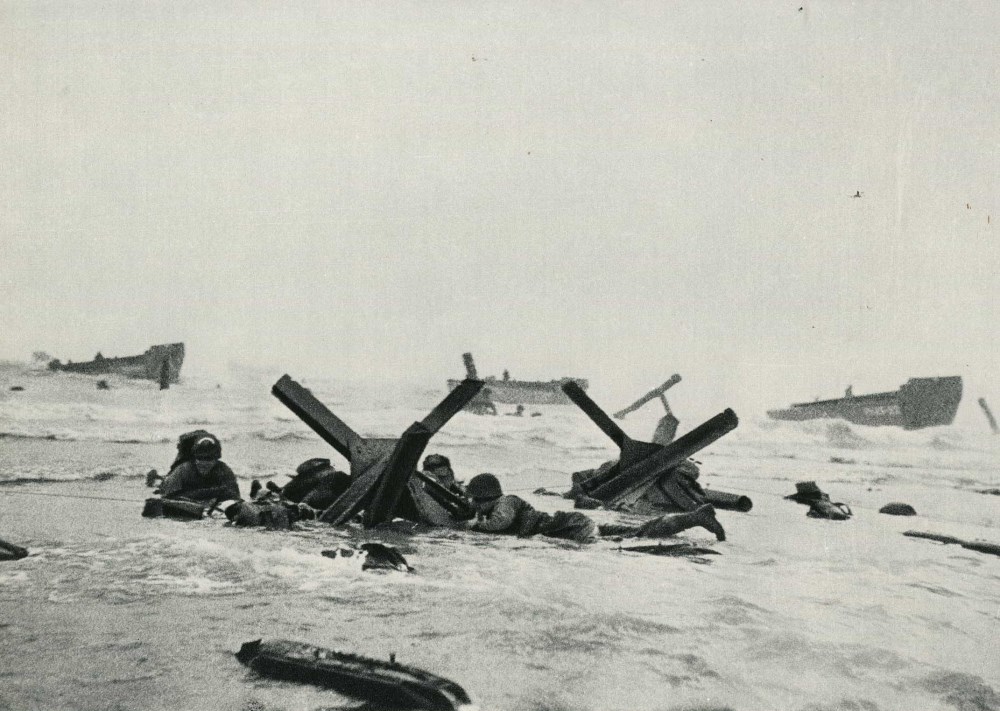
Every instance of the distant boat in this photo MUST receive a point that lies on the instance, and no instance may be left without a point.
(161, 363)
(921, 402)
(518, 392)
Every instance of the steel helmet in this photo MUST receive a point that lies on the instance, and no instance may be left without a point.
(313, 466)
(433, 461)
(484, 486)
(207, 448)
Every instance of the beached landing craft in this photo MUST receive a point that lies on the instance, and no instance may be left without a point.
(921, 402)
(519, 392)
(162, 363)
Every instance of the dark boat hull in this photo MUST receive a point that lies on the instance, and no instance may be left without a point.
(525, 392)
(383, 684)
(921, 402)
(147, 366)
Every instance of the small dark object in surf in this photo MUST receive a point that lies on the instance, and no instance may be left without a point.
(173, 508)
(820, 506)
(842, 460)
(933, 537)
(542, 491)
(384, 684)
(16, 388)
(103, 385)
(8, 551)
(376, 557)
(978, 546)
(898, 509)
(673, 550)
(587, 503)
(982, 547)
(728, 501)
(993, 492)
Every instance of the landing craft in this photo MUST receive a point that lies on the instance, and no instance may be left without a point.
(161, 363)
(508, 391)
(921, 402)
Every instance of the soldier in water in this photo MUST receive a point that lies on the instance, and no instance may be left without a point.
(203, 477)
(500, 513)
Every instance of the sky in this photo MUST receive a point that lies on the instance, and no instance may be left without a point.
(611, 190)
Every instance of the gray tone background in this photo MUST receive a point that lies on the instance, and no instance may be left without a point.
(613, 190)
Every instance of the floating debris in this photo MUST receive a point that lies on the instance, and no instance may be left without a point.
(898, 509)
(374, 556)
(387, 684)
(672, 550)
(729, 502)
(978, 546)
(173, 508)
(820, 506)
(842, 460)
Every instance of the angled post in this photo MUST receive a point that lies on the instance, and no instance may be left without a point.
(651, 395)
(669, 456)
(641, 463)
(314, 413)
(591, 409)
(380, 467)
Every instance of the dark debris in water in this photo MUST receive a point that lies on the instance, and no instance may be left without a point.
(978, 546)
(672, 550)
(963, 691)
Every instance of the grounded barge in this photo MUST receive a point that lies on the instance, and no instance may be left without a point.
(921, 402)
(518, 392)
(162, 363)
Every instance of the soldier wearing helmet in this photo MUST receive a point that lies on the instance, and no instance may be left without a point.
(204, 477)
(499, 513)
(438, 466)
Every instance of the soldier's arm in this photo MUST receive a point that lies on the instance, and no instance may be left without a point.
(501, 518)
(174, 482)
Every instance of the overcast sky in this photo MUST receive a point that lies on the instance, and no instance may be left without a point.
(612, 190)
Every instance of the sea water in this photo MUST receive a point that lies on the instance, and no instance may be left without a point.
(113, 611)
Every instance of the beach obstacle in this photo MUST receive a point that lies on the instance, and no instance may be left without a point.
(666, 428)
(9, 551)
(989, 415)
(651, 395)
(641, 464)
(382, 484)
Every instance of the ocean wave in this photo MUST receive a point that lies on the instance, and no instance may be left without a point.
(79, 436)
(283, 436)
(16, 476)
(38, 435)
